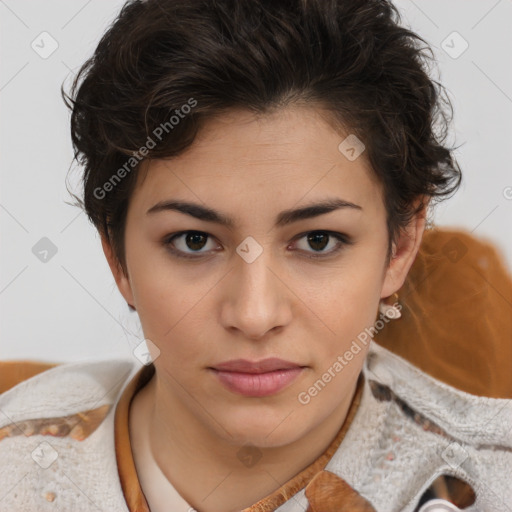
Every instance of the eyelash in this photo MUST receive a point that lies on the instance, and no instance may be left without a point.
(343, 240)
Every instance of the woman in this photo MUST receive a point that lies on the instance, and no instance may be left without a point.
(260, 174)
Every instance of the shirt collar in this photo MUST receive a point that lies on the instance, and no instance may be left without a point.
(132, 491)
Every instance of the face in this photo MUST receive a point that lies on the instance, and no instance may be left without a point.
(270, 284)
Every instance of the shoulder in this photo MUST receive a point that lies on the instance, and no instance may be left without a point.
(410, 429)
(456, 322)
(57, 434)
(59, 399)
(43, 390)
(436, 406)
(35, 391)
(14, 372)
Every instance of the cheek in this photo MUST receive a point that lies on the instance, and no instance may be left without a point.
(351, 304)
(167, 307)
(348, 312)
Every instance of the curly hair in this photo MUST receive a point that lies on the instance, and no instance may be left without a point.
(160, 59)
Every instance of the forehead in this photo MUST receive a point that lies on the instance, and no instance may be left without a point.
(292, 155)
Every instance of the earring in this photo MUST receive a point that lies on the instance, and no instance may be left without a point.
(390, 310)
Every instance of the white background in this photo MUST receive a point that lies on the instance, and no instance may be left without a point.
(68, 308)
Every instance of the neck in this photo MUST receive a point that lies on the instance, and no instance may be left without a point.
(214, 475)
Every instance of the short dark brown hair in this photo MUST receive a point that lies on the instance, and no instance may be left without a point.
(352, 57)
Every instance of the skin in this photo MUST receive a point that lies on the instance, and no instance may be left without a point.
(220, 307)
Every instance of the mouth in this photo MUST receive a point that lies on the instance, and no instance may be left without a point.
(259, 378)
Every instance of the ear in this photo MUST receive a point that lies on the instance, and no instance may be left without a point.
(404, 250)
(122, 281)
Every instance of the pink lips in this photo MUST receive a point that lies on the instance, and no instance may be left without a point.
(259, 378)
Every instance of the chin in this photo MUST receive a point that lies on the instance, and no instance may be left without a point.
(262, 432)
(261, 439)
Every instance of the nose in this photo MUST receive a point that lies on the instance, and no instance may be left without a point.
(257, 299)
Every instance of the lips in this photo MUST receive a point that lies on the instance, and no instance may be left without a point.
(263, 366)
(257, 379)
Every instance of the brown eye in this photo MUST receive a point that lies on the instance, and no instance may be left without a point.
(195, 241)
(320, 240)
(187, 244)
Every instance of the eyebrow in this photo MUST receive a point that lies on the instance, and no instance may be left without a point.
(284, 218)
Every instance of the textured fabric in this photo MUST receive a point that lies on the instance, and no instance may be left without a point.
(48, 468)
(327, 492)
(408, 429)
(411, 428)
